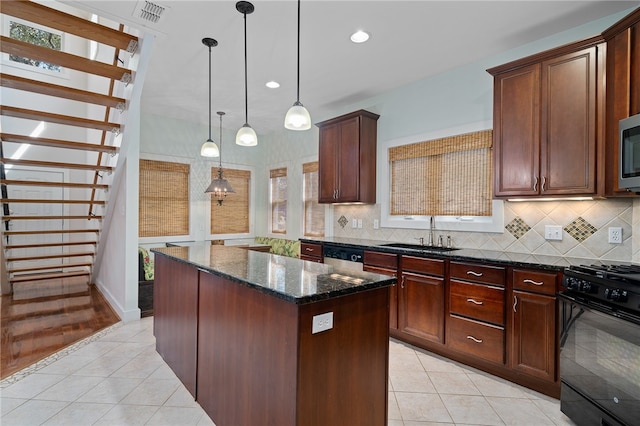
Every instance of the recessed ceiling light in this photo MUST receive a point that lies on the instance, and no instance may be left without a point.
(359, 36)
(272, 84)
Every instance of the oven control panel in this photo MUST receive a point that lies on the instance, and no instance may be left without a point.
(350, 254)
(604, 291)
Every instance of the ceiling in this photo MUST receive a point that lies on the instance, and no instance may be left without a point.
(410, 40)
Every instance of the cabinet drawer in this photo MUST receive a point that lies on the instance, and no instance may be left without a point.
(311, 250)
(535, 281)
(493, 275)
(382, 260)
(475, 338)
(477, 301)
(422, 265)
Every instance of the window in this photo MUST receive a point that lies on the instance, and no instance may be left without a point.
(232, 217)
(163, 199)
(313, 221)
(443, 177)
(38, 37)
(446, 202)
(278, 189)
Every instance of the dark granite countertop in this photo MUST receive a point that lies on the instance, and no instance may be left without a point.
(287, 278)
(524, 260)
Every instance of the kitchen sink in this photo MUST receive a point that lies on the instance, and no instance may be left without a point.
(419, 247)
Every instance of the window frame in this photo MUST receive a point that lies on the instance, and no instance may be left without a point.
(304, 204)
(494, 223)
(5, 57)
(278, 170)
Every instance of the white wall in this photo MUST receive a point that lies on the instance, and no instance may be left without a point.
(449, 100)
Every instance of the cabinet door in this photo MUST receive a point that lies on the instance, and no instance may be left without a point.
(327, 163)
(348, 156)
(533, 335)
(422, 306)
(568, 124)
(517, 132)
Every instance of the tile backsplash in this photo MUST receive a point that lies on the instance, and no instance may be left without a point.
(584, 229)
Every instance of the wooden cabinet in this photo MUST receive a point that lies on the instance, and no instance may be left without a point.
(623, 90)
(421, 307)
(533, 329)
(387, 264)
(548, 122)
(311, 252)
(347, 158)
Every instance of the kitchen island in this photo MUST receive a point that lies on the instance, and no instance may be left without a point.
(261, 339)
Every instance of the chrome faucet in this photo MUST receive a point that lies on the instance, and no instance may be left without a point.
(431, 227)
(421, 239)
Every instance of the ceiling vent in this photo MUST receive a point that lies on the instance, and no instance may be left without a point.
(149, 12)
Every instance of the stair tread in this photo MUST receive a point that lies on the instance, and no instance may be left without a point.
(18, 259)
(40, 277)
(42, 268)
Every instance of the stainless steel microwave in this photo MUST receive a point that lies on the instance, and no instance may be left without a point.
(629, 161)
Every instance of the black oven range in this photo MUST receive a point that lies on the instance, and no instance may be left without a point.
(600, 344)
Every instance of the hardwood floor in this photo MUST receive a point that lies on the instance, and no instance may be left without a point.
(42, 317)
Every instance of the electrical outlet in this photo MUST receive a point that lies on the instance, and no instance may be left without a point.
(322, 322)
(553, 232)
(376, 224)
(360, 223)
(615, 235)
(354, 223)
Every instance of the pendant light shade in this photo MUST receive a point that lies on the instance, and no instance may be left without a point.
(209, 148)
(246, 136)
(220, 187)
(298, 117)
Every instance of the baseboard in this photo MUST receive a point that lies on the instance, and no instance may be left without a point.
(125, 315)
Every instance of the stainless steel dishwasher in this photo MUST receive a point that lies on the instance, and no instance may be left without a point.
(343, 257)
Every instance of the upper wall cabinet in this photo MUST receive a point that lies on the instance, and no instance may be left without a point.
(347, 158)
(548, 122)
(623, 89)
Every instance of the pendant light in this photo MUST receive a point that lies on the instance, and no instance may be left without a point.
(246, 136)
(209, 148)
(298, 117)
(220, 187)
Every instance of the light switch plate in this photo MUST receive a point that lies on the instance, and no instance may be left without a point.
(553, 232)
(322, 322)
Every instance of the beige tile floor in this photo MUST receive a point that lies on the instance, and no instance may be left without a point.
(117, 378)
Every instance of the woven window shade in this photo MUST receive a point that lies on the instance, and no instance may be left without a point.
(163, 207)
(446, 177)
(232, 217)
(313, 211)
(278, 185)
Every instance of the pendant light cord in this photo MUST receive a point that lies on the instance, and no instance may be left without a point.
(298, 85)
(246, 97)
(210, 93)
(220, 145)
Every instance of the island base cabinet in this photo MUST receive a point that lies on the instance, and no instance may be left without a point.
(533, 335)
(259, 362)
(175, 321)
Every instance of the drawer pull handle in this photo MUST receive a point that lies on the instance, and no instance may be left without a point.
(475, 274)
(515, 302)
(308, 249)
(528, 281)
(474, 339)
(402, 282)
(470, 300)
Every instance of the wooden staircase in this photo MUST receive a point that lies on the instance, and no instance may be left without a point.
(51, 227)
